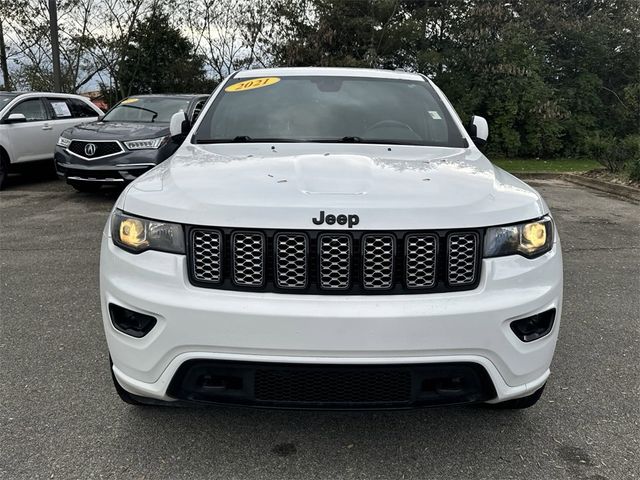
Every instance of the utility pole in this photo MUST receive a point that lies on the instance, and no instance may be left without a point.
(3, 61)
(55, 46)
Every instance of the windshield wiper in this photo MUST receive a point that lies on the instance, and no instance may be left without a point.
(248, 139)
(351, 139)
(154, 113)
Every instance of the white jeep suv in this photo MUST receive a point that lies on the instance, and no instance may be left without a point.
(30, 124)
(330, 238)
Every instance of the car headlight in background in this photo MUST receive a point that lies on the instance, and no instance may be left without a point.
(63, 142)
(137, 235)
(529, 239)
(146, 144)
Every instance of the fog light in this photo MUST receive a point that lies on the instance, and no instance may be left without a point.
(532, 328)
(132, 323)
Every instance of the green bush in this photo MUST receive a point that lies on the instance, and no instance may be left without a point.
(614, 153)
(634, 170)
(631, 148)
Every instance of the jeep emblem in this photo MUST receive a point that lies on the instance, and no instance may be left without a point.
(349, 220)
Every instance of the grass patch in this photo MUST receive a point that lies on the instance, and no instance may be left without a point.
(555, 165)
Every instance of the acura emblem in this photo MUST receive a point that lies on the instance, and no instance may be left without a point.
(89, 149)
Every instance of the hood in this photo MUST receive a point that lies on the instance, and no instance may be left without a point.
(117, 131)
(288, 185)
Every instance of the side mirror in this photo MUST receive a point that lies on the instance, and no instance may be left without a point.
(179, 125)
(15, 118)
(478, 130)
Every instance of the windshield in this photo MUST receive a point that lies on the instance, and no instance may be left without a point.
(146, 109)
(329, 109)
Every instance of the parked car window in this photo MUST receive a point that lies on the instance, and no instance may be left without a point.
(5, 99)
(79, 109)
(197, 109)
(146, 109)
(32, 109)
(330, 109)
(60, 108)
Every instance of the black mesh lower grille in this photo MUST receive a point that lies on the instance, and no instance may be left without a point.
(333, 386)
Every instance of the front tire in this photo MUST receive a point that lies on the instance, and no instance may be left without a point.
(521, 403)
(4, 170)
(85, 187)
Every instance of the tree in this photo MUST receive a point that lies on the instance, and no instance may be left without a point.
(159, 59)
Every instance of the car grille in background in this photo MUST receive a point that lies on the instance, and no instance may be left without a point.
(102, 149)
(334, 262)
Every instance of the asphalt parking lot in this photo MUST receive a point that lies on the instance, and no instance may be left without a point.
(60, 417)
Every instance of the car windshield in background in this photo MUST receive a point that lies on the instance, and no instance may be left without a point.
(329, 109)
(5, 99)
(146, 109)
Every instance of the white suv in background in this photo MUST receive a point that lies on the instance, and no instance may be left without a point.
(30, 124)
(330, 238)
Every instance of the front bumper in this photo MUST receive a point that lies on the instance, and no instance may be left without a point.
(203, 324)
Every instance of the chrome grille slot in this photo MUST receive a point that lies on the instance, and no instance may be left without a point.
(378, 252)
(248, 252)
(335, 261)
(207, 255)
(462, 249)
(291, 250)
(420, 260)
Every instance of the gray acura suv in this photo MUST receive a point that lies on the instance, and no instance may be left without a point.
(130, 139)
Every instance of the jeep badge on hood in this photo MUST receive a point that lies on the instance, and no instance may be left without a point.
(349, 220)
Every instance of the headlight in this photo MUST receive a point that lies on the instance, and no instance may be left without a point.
(529, 239)
(147, 144)
(63, 142)
(139, 234)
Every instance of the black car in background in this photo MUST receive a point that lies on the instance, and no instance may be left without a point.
(130, 139)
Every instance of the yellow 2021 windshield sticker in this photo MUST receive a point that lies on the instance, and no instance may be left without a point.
(129, 100)
(251, 84)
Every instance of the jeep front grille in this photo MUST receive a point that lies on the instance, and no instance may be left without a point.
(248, 258)
(292, 252)
(378, 252)
(420, 260)
(335, 261)
(206, 257)
(338, 262)
(463, 253)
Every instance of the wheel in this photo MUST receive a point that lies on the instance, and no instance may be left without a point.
(520, 403)
(122, 393)
(85, 187)
(4, 170)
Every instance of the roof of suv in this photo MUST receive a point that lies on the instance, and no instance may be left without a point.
(330, 72)
(43, 94)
